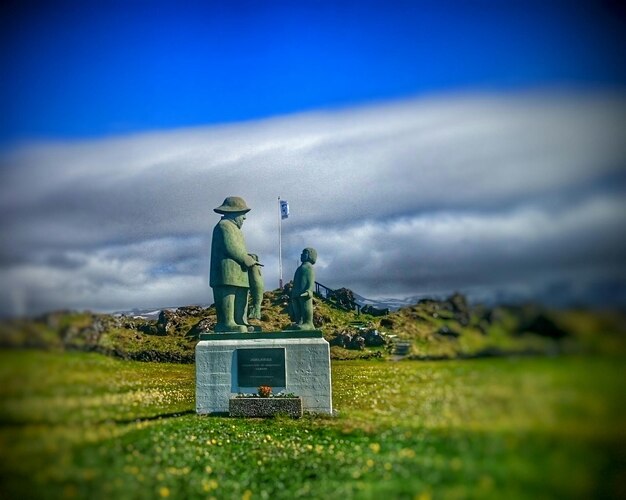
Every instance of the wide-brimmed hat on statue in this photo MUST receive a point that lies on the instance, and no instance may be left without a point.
(232, 204)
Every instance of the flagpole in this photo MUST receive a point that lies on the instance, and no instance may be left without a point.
(280, 247)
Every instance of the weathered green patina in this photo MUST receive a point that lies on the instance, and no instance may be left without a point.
(302, 292)
(256, 289)
(230, 264)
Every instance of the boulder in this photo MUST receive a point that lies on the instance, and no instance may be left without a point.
(387, 323)
(446, 331)
(373, 338)
(374, 311)
(457, 303)
(542, 325)
(190, 311)
(344, 298)
(149, 328)
(358, 342)
(320, 319)
(167, 322)
(342, 339)
(205, 325)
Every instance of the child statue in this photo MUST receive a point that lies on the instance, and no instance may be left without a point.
(256, 289)
(302, 292)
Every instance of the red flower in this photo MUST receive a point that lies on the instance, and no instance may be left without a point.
(265, 391)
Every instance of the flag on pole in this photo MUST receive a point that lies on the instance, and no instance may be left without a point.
(284, 209)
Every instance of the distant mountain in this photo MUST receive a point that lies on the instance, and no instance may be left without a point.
(147, 314)
(393, 303)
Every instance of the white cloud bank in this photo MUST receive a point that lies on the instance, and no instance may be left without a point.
(469, 192)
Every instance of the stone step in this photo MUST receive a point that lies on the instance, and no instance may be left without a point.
(401, 347)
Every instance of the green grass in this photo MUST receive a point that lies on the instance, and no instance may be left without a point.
(87, 426)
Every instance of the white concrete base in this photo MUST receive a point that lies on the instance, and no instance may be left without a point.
(307, 366)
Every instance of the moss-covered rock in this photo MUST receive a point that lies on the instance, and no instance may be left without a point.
(430, 329)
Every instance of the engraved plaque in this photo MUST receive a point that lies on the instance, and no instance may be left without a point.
(265, 366)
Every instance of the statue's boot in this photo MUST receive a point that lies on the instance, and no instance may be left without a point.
(227, 309)
(305, 326)
(231, 327)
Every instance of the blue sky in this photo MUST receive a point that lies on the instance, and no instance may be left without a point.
(424, 147)
(86, 69)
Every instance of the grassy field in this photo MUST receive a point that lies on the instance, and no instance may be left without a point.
(79, 425)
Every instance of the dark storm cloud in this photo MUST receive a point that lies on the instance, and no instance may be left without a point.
(463, 251)
(405, 198)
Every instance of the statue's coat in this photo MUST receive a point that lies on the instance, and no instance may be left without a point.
(228, 255)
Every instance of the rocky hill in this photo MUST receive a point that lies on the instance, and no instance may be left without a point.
(429, 329)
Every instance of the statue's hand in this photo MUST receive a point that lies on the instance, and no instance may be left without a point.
(306, 295)
(249, 261)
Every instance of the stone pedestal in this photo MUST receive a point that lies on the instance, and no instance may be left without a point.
(299, 360)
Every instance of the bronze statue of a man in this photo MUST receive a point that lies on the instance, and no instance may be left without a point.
(230, 263)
